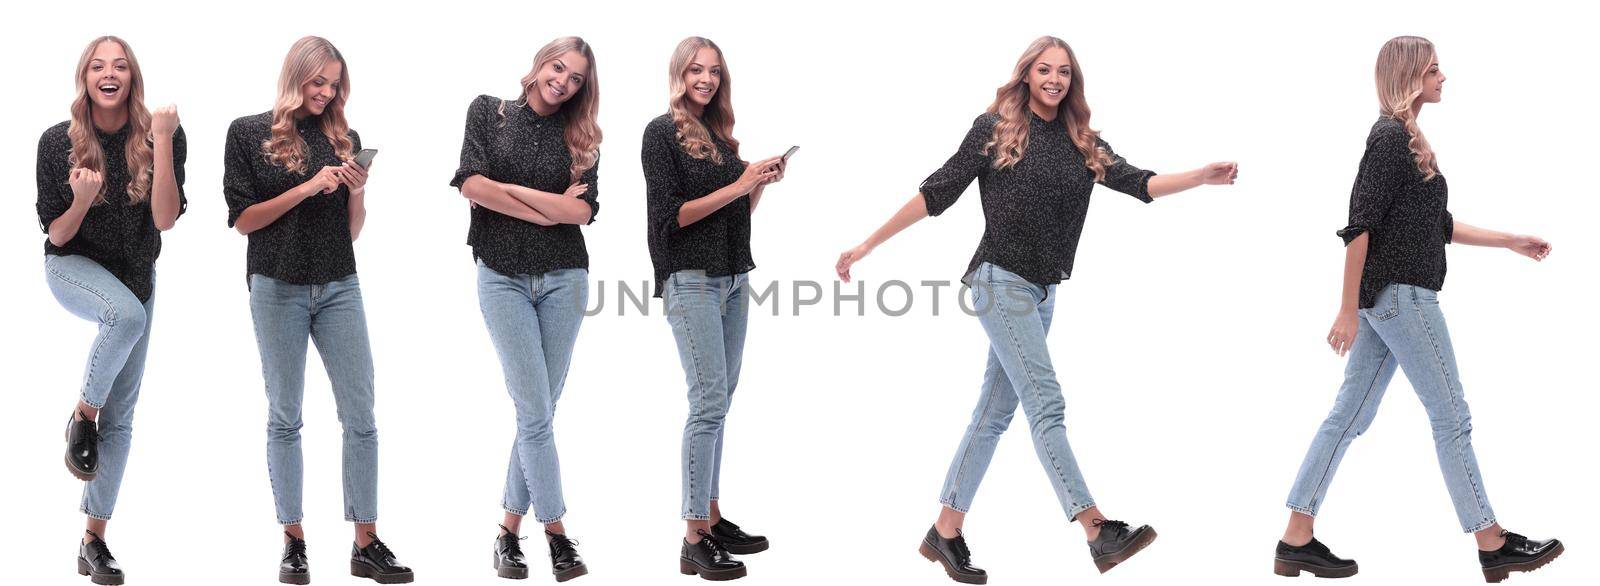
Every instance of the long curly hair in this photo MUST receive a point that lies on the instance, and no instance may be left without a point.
(306, 59)
(1402, 64)
(1010, 140)
(693, 135)
(139, 152)
(582, 131)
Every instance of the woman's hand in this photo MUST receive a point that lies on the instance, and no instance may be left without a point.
(1532, 247)
(1219, 173)
(164, 121)
(576, 190)
(85, 186)
(756, 174)
(351, 174)
(781, 166)
(850, 257)
(1343, 334)
(325, 181)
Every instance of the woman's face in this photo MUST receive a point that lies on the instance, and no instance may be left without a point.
(703, 77)
(1432, 83)
(108, 76)
(559, 79)
(1049, 78)
(323, 87)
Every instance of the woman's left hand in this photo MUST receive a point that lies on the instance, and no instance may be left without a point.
(352, 175)
(1532, 247)
(1219, 173)
(781, 166)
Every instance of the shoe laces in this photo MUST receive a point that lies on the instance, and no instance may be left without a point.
(379, 550)
(712, 544)
(1103, 524)
(959, 543)
(90, 437)
(97, 548)
(1513, 539)
(296, 547)
(510, 542)
(561, 546)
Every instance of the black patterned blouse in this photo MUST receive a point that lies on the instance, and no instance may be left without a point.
(719, 244)
(1033, 211)
(122, 237)
(309, 244)
(522, 148)
(1405, 217)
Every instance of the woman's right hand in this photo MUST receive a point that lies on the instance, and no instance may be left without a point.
(757, 173)
(850, 257)
(576, 189)
(325, 181)
(85, 186)
(1343, 334)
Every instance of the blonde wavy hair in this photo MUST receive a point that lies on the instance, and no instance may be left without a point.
(1402, 64)
(306, 59)
(139, 152)
(693, 134)
(582, 131)
(1010, 140)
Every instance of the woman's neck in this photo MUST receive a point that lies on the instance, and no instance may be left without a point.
(1046, 113)
(108, 119)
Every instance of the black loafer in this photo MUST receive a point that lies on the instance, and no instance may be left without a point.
(375, 561)
(83, 447)
(96, 562)
(508, 559)
(1519, 554)
(294, 569)
(1312, 557)
(565, 562)
(1116, 543)
(736, 540)
(709, 560)
(953, 555)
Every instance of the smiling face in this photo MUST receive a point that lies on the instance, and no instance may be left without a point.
(558, 80)
(321, 89)
(1048, 79)
(1432, 83)
(703, 76)
(108, 76)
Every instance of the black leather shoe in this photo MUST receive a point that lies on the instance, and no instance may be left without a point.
(736, 540)
(565, 562)
(294, 569)
(1519, 554)
(708, 559)
(953, 555)
(377, 562)
(1116, 543)
(95, 561)
(508, 560)
(1312, 557)
(83, 447)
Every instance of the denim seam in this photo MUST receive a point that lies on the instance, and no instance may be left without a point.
(694, 359)
(1479, 499)
(951, 505)
(1332, 456)
(513, 510)
(1033, 387)
(85, 510)
(94, 354)
(355, 519)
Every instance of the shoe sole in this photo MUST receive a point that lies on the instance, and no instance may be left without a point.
(509, 572)
(689, 568)
(105, 579)
(360, 570)
(1496, 574)
(572, 572)
(1106, 562)
(294, 578)
(1292, 569)
(748, 548)
(927, 551)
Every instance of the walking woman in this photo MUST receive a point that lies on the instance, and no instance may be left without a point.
(1389, 317)
(293, 187)
(529, 166)
(700, 197)
(1036, 160)
(110, 181)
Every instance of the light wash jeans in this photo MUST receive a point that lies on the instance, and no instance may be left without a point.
(331, 315)
(116, 363)
(1405, 329)
(533, 321)
(708, 316)
(1016, 315)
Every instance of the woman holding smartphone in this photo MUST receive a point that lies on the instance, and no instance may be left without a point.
(292, 187)
(110, 181)
(530, 167)
(1036, 160)
(1389, 318)
(700, 196)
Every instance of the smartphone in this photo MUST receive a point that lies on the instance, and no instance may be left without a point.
(790, 153)
(364, 158)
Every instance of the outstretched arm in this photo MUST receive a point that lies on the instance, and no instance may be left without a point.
(1532, 247)
(909, 214)
(1213, 174)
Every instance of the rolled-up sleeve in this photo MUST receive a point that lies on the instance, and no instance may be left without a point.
(1383, 171)
(941, 189)
(1124, 177)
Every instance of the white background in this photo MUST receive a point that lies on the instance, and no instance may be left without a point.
(1189, 342)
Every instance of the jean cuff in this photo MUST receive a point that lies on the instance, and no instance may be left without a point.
(553, 519)
(1481, 526)
(1307, 511)
(296, 521)
(952, 506)
(85, 510)
(1073, 516)
(695, 517)
(367, 521)
(86, 401)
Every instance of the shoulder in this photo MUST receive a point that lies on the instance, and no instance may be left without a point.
(661, 125)
(252, 125)
(56, 136)
(484, 104)
(986, 121)
(1387, 133)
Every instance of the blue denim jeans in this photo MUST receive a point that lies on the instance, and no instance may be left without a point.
(331, 315)
(1016, 315)
(1404, 329)
(533, 321)
(116, 363)
(708, 317)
